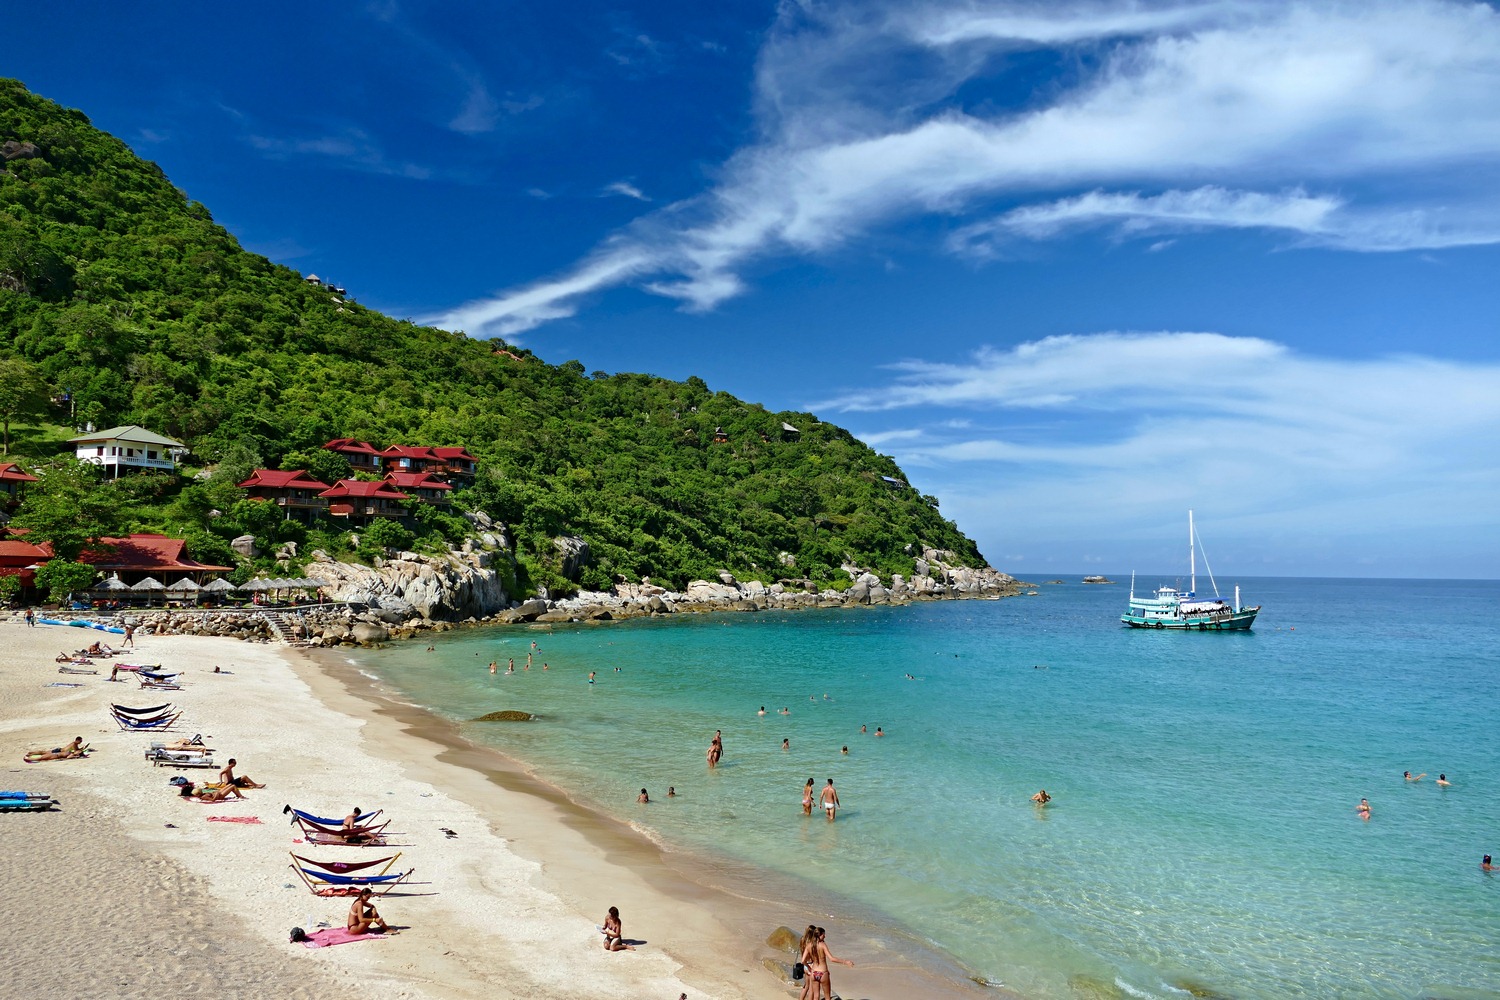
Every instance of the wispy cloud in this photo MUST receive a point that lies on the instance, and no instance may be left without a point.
(1158, 421)
(350, 147)
(625, 189)
(1365, 126)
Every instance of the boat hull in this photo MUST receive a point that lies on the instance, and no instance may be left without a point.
(1237, 621)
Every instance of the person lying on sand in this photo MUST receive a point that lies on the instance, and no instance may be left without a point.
(74, 749)
(209, 793)
(364, 918)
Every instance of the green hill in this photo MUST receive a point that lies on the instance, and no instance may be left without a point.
(134, 303)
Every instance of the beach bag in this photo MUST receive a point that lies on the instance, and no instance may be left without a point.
(298, 934)
(798, 970)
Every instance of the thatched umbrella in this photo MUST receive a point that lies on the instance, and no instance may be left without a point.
(217, 585)
(185, 586)
(259, 583)
(147, 585)
(112, 583)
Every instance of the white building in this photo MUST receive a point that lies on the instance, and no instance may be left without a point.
(128, 448)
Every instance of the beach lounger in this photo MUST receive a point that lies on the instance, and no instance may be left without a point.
(157, 675)
(26, 802)
(343, 878)
(194, 745)
(135, 666)
(178, 758)
(151, 685)
(75, 670)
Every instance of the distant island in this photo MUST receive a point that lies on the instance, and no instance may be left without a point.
(1097, 579)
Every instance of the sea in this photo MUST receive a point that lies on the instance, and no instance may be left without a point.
(1202, 837)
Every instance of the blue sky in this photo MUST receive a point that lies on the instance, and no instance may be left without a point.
(1077, 266)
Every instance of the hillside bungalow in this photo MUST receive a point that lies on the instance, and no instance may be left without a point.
(294, 491)
(135, 557)
(20, 558)
(362, 456)
(130, 448)
(423, 486)
(458, 466)
(409, 458)
(359, 501)
(13, 480)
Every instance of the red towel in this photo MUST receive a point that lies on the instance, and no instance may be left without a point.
(336, 935)
(234, 819)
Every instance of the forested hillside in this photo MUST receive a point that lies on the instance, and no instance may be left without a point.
(127, 298)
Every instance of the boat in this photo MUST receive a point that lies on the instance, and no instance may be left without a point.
(1171, 608)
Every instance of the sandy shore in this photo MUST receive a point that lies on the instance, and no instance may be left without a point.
(141, 887)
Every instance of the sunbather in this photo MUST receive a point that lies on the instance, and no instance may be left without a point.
(227, 777)
(209, 793)
(74, 749)
(363, 917)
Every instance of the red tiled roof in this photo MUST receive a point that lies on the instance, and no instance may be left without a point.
(351, 445)
(459, 452)
(152, 553)
(12, 472)
(416, 481)
(14, 552)
(359, 488)
(407, 451)
(282, 479)
(340, 509)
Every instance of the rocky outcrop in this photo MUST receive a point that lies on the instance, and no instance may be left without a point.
(453, 587)
(573, 552)
(14, 149)
(1097, 579)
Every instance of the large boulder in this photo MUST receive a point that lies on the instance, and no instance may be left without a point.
(367, 632)
(245, 546)
(532, 609)
(574, 552)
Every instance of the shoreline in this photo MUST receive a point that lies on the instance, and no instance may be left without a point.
(906, 966)
(506, 908)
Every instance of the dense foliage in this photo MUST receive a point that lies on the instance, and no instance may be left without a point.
(135, 307)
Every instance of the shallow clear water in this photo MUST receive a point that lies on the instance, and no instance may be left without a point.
(1203, 830)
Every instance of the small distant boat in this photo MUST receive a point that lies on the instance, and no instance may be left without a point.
(1171, 608)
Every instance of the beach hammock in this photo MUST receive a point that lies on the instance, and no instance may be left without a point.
(157, 722)
(333, 833)
(153, 710)
(361, 820)
(338, 878)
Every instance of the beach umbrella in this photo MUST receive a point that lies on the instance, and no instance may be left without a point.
(112, 583)
(149, 583)
(217, 586)
(258, 583)
(185, 585)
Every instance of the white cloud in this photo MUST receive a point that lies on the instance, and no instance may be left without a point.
(625, 189)
(479, 112)
(350, 147)
(1155, 422)
(1184, 116)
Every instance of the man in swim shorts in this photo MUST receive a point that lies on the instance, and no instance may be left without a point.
(829, 799)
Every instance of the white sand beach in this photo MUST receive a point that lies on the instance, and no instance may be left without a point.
(129, 885)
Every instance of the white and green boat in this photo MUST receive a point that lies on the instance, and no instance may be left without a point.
(1171, 608)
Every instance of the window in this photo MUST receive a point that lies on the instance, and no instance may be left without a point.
(151, 455)
(99, 451)
(130, 453)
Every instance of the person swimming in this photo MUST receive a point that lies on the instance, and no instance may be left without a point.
(1041, 798)
(1363, 809)
(845, 751)
(762, 710)
(1408, 777)
(786, 744)
(1443, 780)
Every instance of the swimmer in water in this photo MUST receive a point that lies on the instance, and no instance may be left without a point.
(1363, 809)
(1443, 780)
(786, 711)
(1408, 777)
(643, 797)
(1485, 865)
(862, 729)
(762, 710)
(544, 665)
(492, 666)
(1041, 798)
(845, 751)
(879, 731)
(591, 677)
(786, 744)
(671, 791)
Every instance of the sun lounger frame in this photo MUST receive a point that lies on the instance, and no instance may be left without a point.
(127, 722)
(329, 882)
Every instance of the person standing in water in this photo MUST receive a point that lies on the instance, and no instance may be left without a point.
(829, 799)
(1363, 809)
(807, 798)
(1443, 781)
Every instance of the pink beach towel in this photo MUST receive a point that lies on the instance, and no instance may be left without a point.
(234, 819)
(336, 935)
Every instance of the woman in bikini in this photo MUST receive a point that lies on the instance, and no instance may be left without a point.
(807, 798)
(805, 952)
(612, 939)
(817, 969)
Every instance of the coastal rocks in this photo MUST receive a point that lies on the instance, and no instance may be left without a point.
(1097, 579)
(368, 632)
(245, 546)
(783, 939)
(454, 586)
(531, 610)
(508, 715)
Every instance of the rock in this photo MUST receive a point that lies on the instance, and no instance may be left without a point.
(1097, 579)
(1052, 581)
(784, 939)
(727, 577)
(657, 606)
(575, 555)
(532, 609)
(367, 632)
(12, 149)
(509, 715)
(922, 568)
(245, 546)
(552, 617)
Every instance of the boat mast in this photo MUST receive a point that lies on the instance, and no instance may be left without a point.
(1192, 557)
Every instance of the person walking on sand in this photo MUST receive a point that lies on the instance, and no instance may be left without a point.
(807, 798)
(31, 623)
(806, 951)
(829, 799)
(612, 931)
(129, 636)
(817, 969)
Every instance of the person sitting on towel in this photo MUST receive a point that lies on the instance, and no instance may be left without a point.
(364, 918)
(227, 777)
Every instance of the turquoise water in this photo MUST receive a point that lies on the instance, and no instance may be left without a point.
(1203, 830)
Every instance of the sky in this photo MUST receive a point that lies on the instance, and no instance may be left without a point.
(1077, 266)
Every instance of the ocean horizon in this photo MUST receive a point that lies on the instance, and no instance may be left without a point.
(1202, 834)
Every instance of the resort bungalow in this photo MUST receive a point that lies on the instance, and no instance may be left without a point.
(359, 501)
(409, 458)
(362, 456)
(423, 486)
(19, 558)
(295, 492)
(458, 466)
(135, 557)
(129, 448)
(12, 481)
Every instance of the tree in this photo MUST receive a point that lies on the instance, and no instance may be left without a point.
(69, 507)
(383, 534)
(23, 394)
(320, 463)
(61, 577)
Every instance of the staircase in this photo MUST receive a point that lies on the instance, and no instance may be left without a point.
(284, 626)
